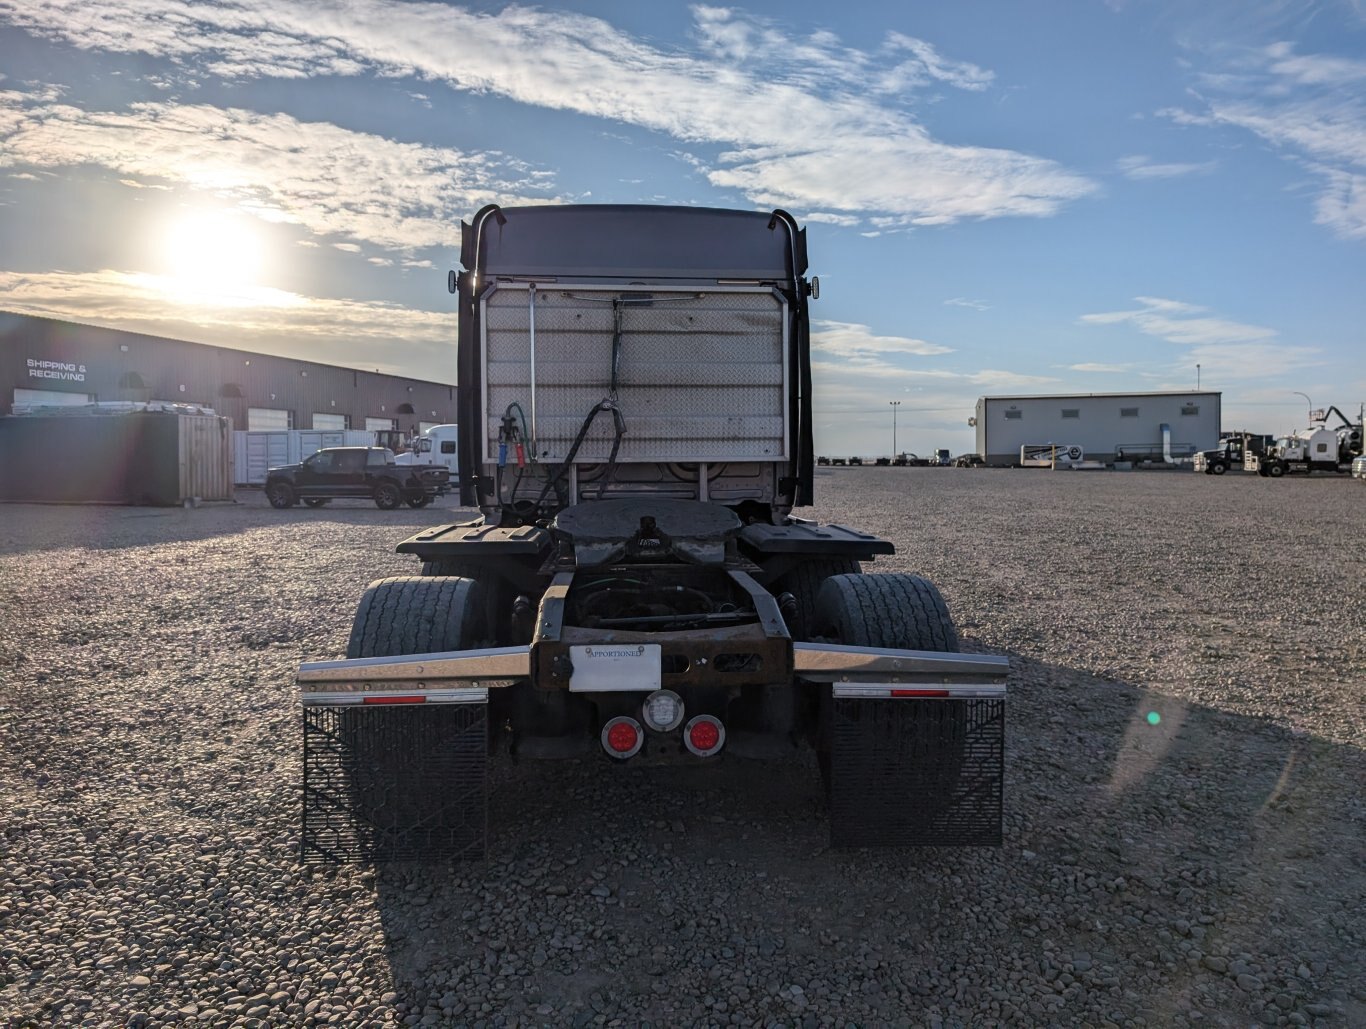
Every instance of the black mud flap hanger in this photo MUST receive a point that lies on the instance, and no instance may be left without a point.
(396, 755)
(916, 745)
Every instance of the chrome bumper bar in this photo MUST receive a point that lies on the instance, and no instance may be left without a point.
(466, 676)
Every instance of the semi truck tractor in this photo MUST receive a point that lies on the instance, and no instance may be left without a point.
(1229, 453)
(635, 432)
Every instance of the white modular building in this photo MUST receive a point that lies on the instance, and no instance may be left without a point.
(1167, 426)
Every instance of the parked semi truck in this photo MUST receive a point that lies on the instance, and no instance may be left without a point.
(1317, 449)
(636, 433)
(1229, 453)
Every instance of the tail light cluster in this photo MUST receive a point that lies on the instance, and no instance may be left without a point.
(662, 711)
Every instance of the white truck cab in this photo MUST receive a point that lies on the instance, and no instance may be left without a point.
(435, 446)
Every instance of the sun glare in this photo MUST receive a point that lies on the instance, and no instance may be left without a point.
(213, 257)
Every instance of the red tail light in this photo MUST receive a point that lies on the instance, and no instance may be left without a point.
(705, 735)
(622, 737)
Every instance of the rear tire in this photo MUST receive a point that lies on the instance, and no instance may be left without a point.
(897, 610)
(280, 494)
(417, 615)
(902, 611)
(387, 496)
(418, 784)
(317, 501)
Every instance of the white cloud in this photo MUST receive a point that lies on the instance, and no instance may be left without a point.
(1313, 69)
(1139, 167)
(975, 305)
(1179, 322)
(1100, 368)
(1342, 204)
(326, 178)
(814, 125)
(930, 64)
(1225, 349)
(848, 339)
(1305, 105)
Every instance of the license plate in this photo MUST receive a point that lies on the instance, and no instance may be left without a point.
(612, 667)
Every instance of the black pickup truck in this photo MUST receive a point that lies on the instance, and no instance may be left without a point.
(341, 472)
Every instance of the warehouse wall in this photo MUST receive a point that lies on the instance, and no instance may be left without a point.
(1102, 423)
(45, 354)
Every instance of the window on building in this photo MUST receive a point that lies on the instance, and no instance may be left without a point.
(381, 424)
(259, 418)
(131, 380)
(448, 446)
(1128, 412)
(1190, 409)
(1071, 412)
(1014, 414)
(231, 390)
(404, 409)
(330, 422)
(52, 397)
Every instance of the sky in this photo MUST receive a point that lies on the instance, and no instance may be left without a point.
(1002, 198)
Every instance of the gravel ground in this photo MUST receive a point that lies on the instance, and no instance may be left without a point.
(1203, 870)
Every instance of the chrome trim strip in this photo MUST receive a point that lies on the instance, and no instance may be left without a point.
(494, 666)
(833, 662)
(340, 698)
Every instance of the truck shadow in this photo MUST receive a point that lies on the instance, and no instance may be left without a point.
(1141, 831)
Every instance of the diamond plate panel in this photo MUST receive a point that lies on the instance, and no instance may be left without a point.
(906, 773)
(395, 783)
(702, 376)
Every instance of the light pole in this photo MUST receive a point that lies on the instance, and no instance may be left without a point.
(894, 405)
(1197, 375)
(1310, 417)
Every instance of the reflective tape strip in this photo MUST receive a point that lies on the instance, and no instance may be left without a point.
(347, 697)
(897, 691)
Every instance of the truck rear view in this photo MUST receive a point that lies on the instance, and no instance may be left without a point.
(636, 430)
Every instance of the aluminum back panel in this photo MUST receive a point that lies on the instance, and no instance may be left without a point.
(702, 374)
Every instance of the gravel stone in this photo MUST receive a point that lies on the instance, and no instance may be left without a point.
(1183, 811)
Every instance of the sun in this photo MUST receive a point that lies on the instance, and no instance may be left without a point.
(213, 257)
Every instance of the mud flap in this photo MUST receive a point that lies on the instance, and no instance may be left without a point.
(907, 773)
(399, 782)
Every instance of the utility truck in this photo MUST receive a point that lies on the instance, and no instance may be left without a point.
(635, 430)
(1317, 449)
(437, 445)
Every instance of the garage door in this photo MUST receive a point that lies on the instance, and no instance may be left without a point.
(380, 424)
(266, 418)
(53, 397)
(329, 421)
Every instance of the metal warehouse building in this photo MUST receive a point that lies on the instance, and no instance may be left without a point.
(45, 361)
(1107, 426)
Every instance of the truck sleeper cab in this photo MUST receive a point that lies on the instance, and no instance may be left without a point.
(635, 430)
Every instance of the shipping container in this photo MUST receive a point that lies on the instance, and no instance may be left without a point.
(92, 456)
(255, 453)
